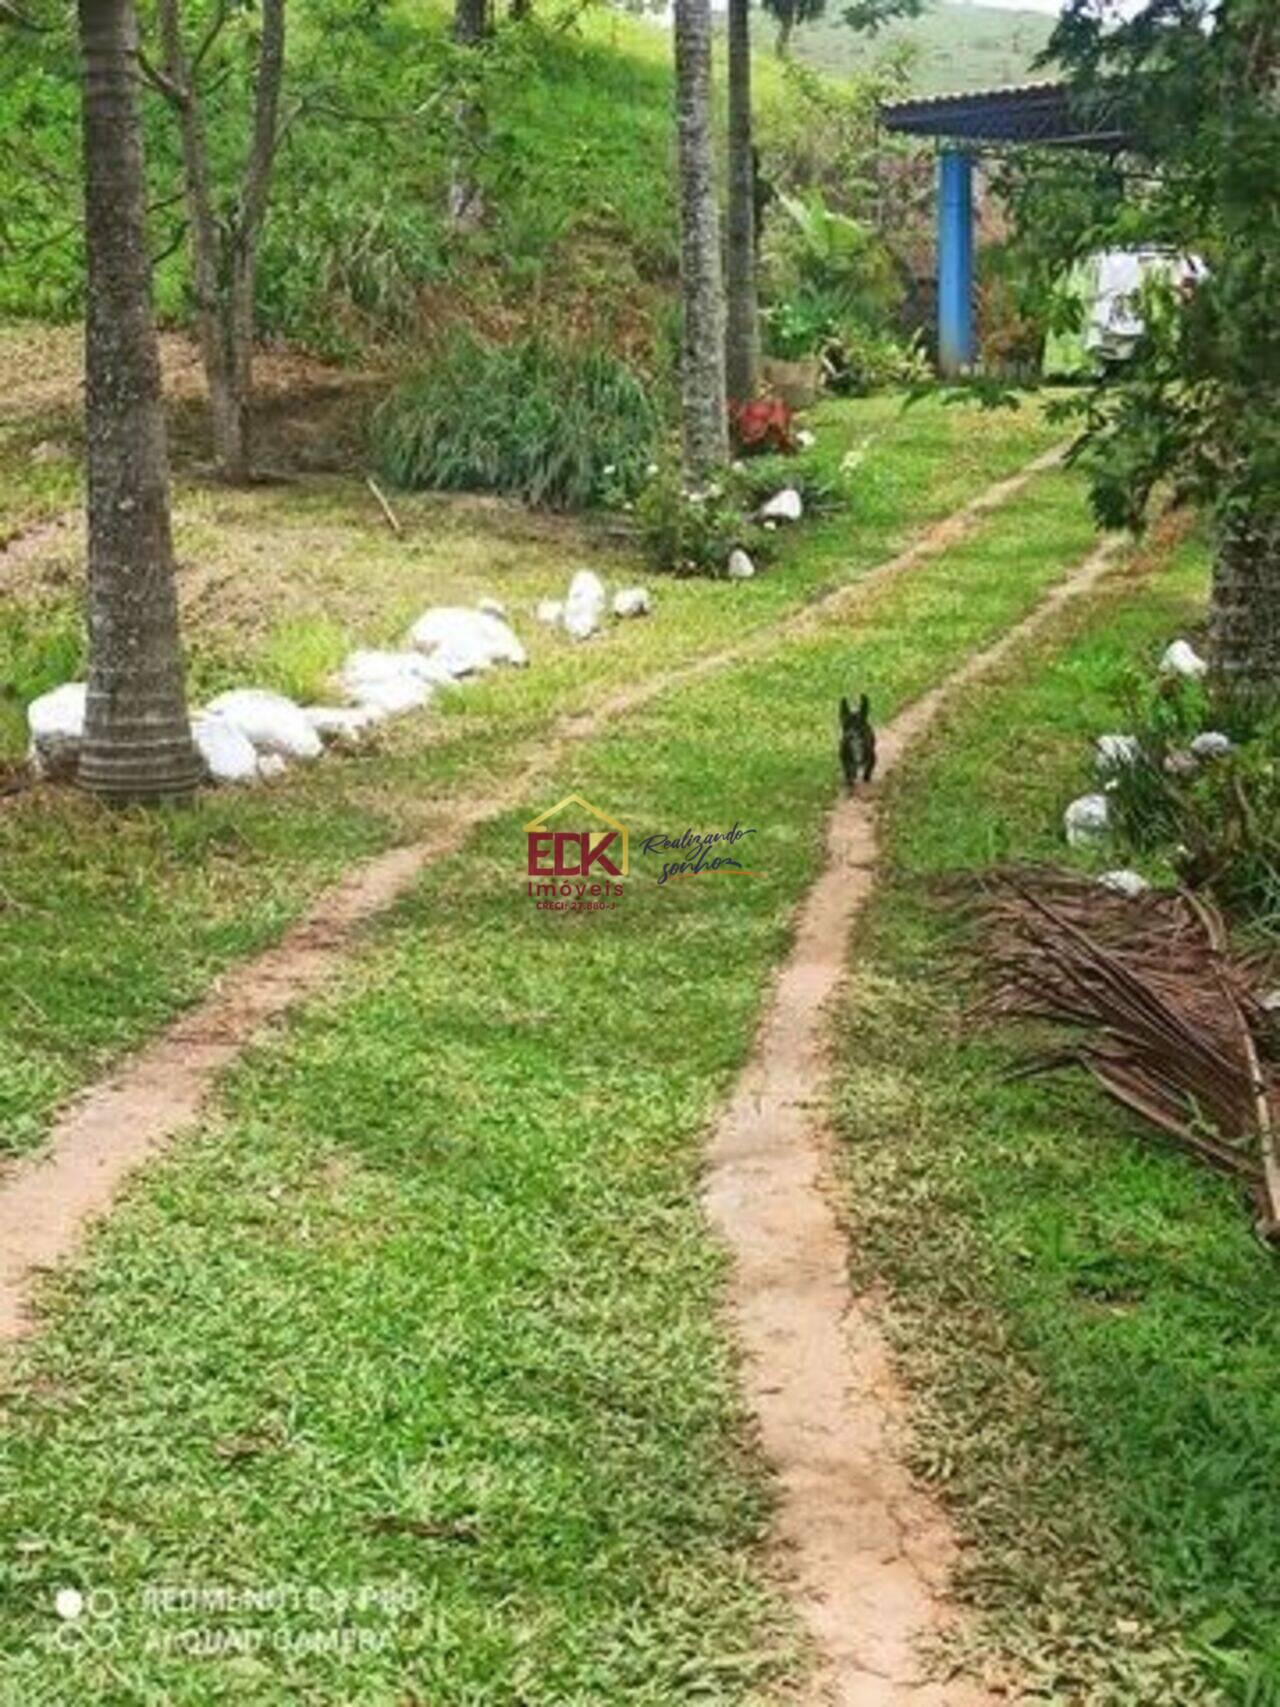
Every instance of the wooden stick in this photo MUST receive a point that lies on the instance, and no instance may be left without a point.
(383, 505)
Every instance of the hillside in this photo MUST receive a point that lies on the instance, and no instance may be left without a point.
(956, 46)
(575, 178)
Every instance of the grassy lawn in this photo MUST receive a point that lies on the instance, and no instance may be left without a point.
(1090, 1317)
(430, 1304)
(111, 922)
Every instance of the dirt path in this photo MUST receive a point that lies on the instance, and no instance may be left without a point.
(870, 1555)
(48, 1199)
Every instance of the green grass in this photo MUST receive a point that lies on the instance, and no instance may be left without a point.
(110, 923)
(439, 1262)
(1087, 1318)
(954, 47)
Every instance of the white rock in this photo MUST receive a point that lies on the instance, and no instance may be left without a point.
(56, 723)
(465, 642)
(1181, 659)
(1117, 751)
(387, 682)
(740, 568)
(1270, 1002)
(805, 439)
(272, 765)
(784, 506)
(550, 611)
(492, 607)
(273, 723)
(632, 601)
(584, 607)
(770, 527)
(1212, 744)
(1130, 883)
(343, 725)
(1086, 819)
(227, 753)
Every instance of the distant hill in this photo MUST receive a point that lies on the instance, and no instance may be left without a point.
(959, 46)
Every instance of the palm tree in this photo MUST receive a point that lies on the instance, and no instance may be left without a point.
(742, 350)
(137, 743)
(702, 386)
(1244, 606)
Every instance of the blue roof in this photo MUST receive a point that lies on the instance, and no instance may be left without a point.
(1049, 114)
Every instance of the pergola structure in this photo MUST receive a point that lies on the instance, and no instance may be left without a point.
(1043, 115)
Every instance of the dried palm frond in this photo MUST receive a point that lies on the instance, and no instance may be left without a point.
(1168, 1020)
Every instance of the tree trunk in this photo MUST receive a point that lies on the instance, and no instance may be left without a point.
(224, 253)
(1244, 611)
(702, 379)
(137, 743)
(466, 204)
(470, 22)
(742, 353)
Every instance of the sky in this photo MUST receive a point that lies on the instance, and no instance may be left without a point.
(1026, 5)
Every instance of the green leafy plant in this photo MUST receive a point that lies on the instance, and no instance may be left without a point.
(798, 327)
(1215, 818)
(821, 490)
(554, 426)
(858, 362)
(693, 532)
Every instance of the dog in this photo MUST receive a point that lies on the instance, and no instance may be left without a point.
(857, 742)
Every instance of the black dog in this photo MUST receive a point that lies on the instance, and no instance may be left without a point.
(857, 742)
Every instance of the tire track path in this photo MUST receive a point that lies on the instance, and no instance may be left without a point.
(870, 1555)
(49, 1198)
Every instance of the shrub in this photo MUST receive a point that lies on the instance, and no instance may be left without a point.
(762, 425)
(821, 491)
(858, 363)
(555, 427)
(693, 532)
(799, 326)
(835, 258)
(1216, 819)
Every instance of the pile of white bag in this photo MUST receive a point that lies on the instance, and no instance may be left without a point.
(581, 612)
(252, 734)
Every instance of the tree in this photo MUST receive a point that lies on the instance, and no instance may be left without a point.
(224, 232)
(1196, 85)
(742, 353)
(702, 370)
(789, 13)
(472, 27)
(137, 744)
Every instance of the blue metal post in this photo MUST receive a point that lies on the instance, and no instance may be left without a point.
(955, 261)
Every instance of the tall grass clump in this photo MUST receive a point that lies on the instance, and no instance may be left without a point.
(41, 646)
(553, 426)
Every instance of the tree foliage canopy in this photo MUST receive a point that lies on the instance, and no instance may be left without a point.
(1197, 86)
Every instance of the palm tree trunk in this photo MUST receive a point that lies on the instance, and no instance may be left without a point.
(137, 743)
(706, 439)
(742, 352)
(1244, 610)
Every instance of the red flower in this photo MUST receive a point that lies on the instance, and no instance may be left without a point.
(764, 424)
